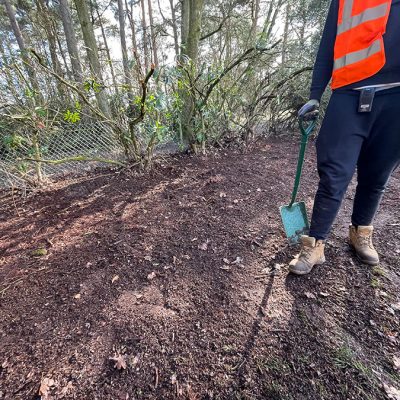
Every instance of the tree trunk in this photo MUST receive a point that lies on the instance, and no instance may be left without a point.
(144, 29)
(174, 28)
(194, 32)
(185, 21)
(44, 13)
(255, 11)
(132, 25)
(190, 48)
(71, 40)
(153, 36)
(64, 59)
(285, 33)
(274, 17)
(138, 64)
(92, 53)
(21, 44)
(125, 62)
(109, 60)
(9, 76)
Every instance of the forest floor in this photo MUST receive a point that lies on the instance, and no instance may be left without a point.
(175, 285)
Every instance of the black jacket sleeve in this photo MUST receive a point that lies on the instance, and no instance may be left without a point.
(324, 62)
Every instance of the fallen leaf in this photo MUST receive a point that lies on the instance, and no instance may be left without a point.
(39, 252)
(396, 363)
(77, 296)
(151, 276)
(173, 379)
(238, 260)
(266, 270)
(391, 311)
(396, 306)
(276, 268)
(120, 362)
(67, 388)
(134, 361)
(44, 388)
(114, 279)
(392, 392)
(310, 295)
(204, 246)
(216, 179)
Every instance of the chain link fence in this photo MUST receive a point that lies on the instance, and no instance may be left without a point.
(87, 141)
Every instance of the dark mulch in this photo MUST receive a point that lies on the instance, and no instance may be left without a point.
(183, 275)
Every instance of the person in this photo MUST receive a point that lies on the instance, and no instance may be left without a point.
(359, 52)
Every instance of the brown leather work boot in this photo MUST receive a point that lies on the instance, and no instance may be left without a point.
(312, 253)
(361, 241)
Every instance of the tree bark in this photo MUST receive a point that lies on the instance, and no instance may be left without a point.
(285, 33)
(64, 58)
(109, 60)
(194, 29)
(92, 53)
(174, 28)
(44, 13)
(153, 35)
(191, 32)
(132, 25)
(125, 62)
(70, 38)
(9, 77)
(185, 21)
(255, 15)
(144, 29)
(21, 44)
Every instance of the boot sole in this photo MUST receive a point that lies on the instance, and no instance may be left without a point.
(364, 261)
(301, 273)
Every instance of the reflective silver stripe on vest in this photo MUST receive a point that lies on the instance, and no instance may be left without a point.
(349, 22)
(358, 55)
(347, 10)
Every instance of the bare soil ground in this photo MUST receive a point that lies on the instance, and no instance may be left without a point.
(181, 277)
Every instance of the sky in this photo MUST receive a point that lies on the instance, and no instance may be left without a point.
(114, 42)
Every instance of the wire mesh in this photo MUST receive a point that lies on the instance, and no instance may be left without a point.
(87, 139)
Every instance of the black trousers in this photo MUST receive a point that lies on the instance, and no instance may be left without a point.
(349, 140)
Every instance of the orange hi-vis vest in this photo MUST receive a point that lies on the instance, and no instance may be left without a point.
(359, 49)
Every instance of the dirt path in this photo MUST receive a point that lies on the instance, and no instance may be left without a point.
(182, 275)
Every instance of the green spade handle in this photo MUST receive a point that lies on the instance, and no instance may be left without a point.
(306, 129)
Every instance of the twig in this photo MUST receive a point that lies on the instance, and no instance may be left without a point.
(2, 291)
(157, 378)
(245, 56)
(134, 122)
(14, 202)
(76, 159)
(66, 83)
(144, 95)
(206, 36)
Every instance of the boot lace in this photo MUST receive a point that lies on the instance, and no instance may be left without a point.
(306, 253)
(365, 241)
